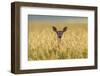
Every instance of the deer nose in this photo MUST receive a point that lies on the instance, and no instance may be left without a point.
(59, 36)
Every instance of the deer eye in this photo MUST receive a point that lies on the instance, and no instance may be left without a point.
(60, 33)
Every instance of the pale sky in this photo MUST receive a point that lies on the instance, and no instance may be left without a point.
(57, 18)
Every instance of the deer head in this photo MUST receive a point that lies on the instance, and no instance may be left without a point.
(59, 33)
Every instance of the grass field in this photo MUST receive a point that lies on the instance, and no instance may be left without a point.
(43, 42)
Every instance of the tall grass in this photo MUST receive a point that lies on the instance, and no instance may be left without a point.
(43, 42)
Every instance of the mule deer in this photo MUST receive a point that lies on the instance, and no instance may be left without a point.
(59, 34)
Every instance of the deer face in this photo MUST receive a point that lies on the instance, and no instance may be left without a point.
(59, 33)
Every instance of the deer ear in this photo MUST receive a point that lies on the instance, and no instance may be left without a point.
(54, 28)
(64, 29)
